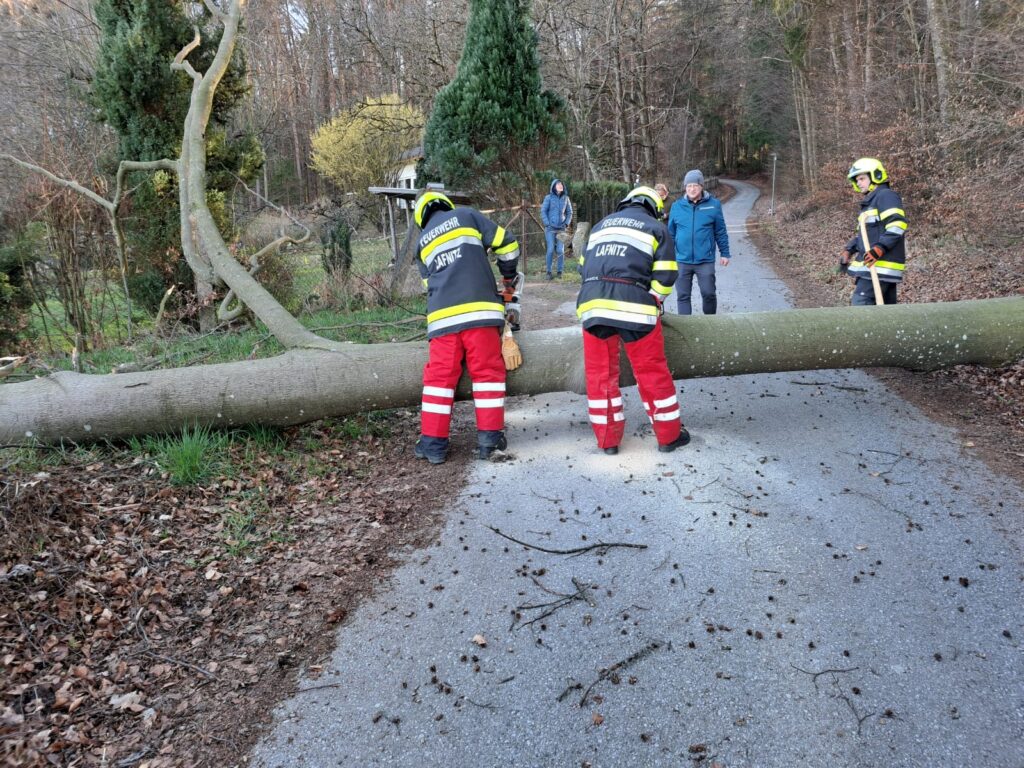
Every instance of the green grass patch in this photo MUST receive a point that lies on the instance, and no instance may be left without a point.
(39, 458)
(189, 458)
(369, 257)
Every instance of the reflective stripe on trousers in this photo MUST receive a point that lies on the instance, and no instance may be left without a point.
(604, 399)
(481, 348)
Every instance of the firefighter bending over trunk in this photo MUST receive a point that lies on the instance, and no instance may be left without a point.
(465, 315)
(878, 243)
(628, 270)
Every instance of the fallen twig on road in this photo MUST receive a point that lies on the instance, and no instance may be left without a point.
(550, 607)
(603, 546)
(610, 672)
(816, 675)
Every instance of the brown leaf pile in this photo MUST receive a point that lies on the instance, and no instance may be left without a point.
(143, 624)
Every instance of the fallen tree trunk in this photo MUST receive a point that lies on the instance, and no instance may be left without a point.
(303, 385)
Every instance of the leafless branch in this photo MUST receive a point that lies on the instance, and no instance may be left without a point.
(180, 62)
(601, 546)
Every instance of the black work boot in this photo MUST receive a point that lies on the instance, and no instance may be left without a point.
(489, 441)
(433, 449)
(611, 450)
(679, 442)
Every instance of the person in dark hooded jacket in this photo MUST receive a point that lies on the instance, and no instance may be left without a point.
(556, 215)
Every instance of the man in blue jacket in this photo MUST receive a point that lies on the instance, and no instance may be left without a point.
(556, 214)
(697, 226)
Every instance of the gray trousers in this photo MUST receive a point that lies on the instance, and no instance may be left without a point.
(705, 272)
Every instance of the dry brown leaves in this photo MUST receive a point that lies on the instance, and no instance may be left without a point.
(141, 624)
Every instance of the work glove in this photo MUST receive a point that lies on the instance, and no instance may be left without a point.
(873, 255)
(510, 351)
(844, 262)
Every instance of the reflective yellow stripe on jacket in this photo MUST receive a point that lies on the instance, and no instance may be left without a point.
(611, 309)
(463, 313)
(664, 266)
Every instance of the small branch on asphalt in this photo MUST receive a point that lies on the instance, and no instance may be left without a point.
(601, 546)
(816, 675)
(318, 687)
(613, 670)
(547, 609)
(491, 707)
(737, 492)
(546, 498)
(569, 689)
(911, 523)
(706, 485)
(857, 716)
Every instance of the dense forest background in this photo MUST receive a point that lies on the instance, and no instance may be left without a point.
(641, 91)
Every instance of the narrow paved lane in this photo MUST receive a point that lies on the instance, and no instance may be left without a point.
(826, 582)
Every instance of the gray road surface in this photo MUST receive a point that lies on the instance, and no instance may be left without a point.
(828, 581)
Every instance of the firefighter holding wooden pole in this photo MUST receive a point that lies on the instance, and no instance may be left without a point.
(876, 255)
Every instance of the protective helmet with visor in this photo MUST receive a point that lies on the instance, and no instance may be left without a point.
(869, 167)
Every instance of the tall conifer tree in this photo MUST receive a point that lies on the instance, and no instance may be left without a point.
(493, 116)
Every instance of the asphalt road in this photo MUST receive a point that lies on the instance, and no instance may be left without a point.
(829, 579)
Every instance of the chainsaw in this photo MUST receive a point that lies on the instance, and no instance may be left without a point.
(511, 290)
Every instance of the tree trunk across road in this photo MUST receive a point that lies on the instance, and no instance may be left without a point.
(304, 385)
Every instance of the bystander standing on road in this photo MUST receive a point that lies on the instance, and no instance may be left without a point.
(662, 191)
(697, 227)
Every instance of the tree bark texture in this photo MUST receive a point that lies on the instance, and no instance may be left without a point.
(303, 385)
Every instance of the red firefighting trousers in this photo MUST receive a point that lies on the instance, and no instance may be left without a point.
(657, 391)
(481, 348)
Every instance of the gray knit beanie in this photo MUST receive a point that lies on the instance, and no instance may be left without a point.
(693, 177)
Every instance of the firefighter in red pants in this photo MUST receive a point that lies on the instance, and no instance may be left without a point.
(628, 270)
(465, 316)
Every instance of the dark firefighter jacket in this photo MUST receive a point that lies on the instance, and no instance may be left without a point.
(629, 260)
(884, 223)
(461, 291)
